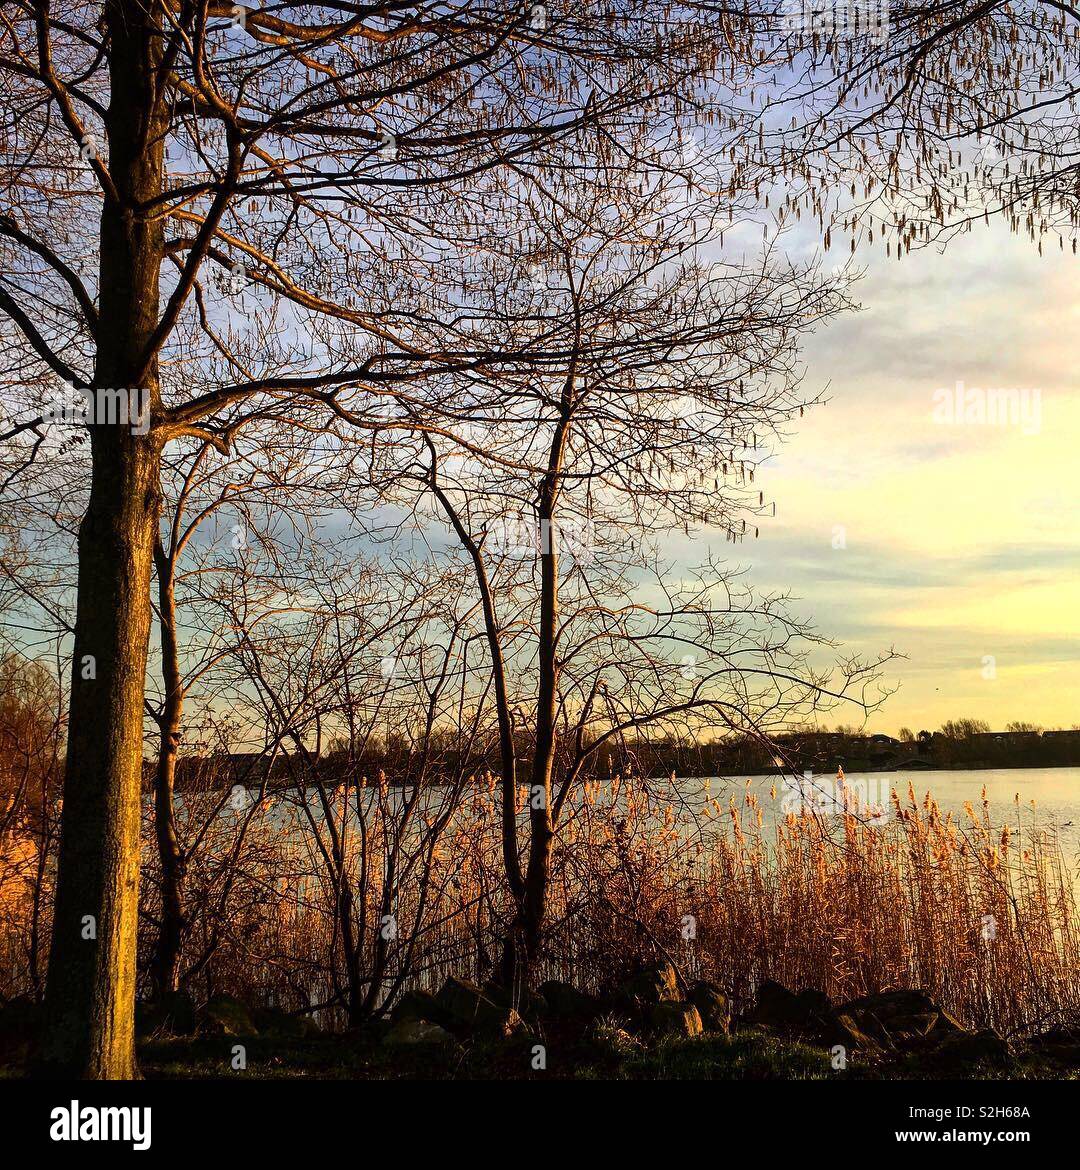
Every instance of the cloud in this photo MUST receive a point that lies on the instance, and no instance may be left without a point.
(962, 541)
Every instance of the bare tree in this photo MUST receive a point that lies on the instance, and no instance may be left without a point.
(215, 216)
(31, 745)
(904, 124)
(646, 388)
(267, 493)
(356, 671)
(154, 142)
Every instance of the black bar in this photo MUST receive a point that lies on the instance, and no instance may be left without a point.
(252, 1118)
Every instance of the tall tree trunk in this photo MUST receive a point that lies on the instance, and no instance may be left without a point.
(165, 968)
(350, 948)
(511, 964)
(90, 994)
(529, 928)
(541, 828)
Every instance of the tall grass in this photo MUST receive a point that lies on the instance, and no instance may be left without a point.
(979, 912)
(981, 915)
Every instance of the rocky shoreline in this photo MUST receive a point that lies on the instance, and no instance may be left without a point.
(872, 1030)
(897, 1033)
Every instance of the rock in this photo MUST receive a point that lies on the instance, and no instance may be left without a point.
(945, 1023)
(839, 1028)
(886, 1004)
(529, 1003)
(419, 1005)
(965, 1048)
(923, 1023)
(1059, 1044)
(498, 1025)
(466, 1009)
(653, 985)
(891, 1010)
(414, 1031)
(564, 1001)
(813, 1003)
(225, 1015)
(779, 1008)
(281, 1025)
(901, 1019)
(810, 1014)
(536, 1006)
(497, 993)
(675, 1019)
(460, 1002)
(1055, 1037)
(713, 1006)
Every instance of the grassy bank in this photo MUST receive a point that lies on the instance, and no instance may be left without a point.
(744, 1056)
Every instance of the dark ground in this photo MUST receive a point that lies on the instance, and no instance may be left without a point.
(747, 1055)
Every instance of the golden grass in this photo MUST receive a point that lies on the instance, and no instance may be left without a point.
(982, 914)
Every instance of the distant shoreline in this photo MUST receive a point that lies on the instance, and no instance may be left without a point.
(909, 767)
(277, 785)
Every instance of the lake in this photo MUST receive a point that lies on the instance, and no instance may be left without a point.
(1055, 791)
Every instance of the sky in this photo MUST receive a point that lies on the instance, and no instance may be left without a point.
(955, 542)
(907, 518)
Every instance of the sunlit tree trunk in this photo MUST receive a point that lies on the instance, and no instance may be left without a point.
(90, 994)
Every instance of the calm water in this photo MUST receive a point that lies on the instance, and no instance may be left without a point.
(1055, 791)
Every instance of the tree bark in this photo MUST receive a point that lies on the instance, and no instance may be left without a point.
(523, 945)
(541, 828)
(90, 994)
(165, 968)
